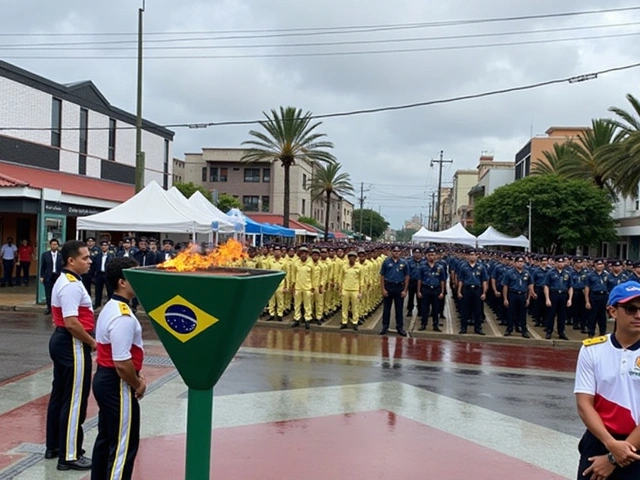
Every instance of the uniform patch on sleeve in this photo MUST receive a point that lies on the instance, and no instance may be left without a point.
(71, 277)
(587, 342)
(124, 308)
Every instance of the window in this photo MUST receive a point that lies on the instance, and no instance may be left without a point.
(621, 250)
(266, 206)
(236, 169)
(56, 122)
(84, 133)
(112, 139)
(266, 175)
(304, 180)
(252, 175)
(204, 174)
(165, 166)
(304, 204)
(218, 174)
(250, 203)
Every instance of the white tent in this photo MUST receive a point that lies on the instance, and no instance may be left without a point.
(202, 218)
(148, 211)
(421, 235)
(492, 237)
(225, 223)
(455, 234)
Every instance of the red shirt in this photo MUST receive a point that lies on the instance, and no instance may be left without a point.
(25, 253)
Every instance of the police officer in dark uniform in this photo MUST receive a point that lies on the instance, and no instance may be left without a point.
(443, 263)
(394, 276)
(472, 292)
(414, 262)
(431, 284)
(616, 276)
(596, 295)
(517, 286)
(126, 251)
(143, 255)
(539, 274)
(635, 273)
(167, 252)
(87, 279)
(578, 311)
(558, 293)
(99, 272)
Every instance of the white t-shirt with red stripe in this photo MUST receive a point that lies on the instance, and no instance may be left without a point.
(119, 335)
(612, 375)
(69, 298)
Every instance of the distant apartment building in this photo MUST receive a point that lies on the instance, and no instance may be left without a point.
(178, 170)
(532, 152)
(491, 175)
(414, 223)
(463, 182)
(340, 212)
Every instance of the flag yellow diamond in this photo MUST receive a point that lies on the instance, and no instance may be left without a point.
(182, 319)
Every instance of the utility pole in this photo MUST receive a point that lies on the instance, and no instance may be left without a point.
(440, 162)
(431, 211)
(140, 163)
(361, 199)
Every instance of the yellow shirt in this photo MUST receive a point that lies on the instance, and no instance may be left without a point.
(351, 278)
(303, 273)
(279, 265)
(250, 263)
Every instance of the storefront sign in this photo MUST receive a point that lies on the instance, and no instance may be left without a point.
(71, 210)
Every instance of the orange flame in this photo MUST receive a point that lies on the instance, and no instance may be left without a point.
(191, 259)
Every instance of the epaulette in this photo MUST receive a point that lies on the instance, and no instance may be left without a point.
(124, 308)
(71, 277)
(587, 342)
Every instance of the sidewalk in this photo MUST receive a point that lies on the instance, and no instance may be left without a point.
(20, 299)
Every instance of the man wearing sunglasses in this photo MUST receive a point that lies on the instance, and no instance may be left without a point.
(607, 390)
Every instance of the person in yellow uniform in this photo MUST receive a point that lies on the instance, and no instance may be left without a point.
(289, 258)
(340, 261)
(363, 302)
(276, 303)
(319, 280)
(251, 261)
(329, 282)
(352, 281)
(302, 288)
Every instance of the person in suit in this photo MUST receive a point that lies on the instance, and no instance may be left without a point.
(50, 268)
(99, 267)
(144, 256)
(87, 278)
(167, 252)
(126, 251)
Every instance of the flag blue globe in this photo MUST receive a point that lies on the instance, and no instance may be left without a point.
(181, 319)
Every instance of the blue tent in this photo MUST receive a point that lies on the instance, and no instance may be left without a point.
(282, 232)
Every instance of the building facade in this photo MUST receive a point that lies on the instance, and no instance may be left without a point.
(491, 175)
(463, 182)
(178, 170)
(532, 152)
(340, 212)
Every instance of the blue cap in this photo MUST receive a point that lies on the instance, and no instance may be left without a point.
(624, 292)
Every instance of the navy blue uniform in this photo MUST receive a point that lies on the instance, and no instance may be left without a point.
(414, 275)
(517, 285)
(598, 296)
(432, 280)
(473, 280)
(559, 283)
(394, 274)
(540, 307)
(577, 312)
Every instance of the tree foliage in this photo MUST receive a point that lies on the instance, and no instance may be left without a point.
(328, 180)
(310, 221)
(373, 224)
(188, 189)
(566, 214)
(405, 234)
(227, 202)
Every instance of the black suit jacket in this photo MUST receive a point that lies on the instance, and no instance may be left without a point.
(46, 265)
(96, 264)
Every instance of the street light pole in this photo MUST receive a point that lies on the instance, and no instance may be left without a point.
(140, 161)
(530, 237)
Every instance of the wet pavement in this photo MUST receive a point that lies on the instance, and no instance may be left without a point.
(320, 404)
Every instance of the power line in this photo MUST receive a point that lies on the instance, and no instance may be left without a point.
(349, 113)
(339, 29)
(94, 45)
(327, 53)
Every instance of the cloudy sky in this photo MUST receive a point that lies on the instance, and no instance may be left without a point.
(389, 152)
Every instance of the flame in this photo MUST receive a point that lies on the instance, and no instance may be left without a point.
(191, 259)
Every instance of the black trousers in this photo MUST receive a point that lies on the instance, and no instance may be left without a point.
(48, 288)
(87, 280)
(118, 427)
(578, 310)
(413, 297)
(540, 306)
(7, 272)
(598, 313)
(101, 282)
(22, 271)
(558, 309)
(590, 446)
(471, 307)
(69, 394)
(394, 297)
(430, 305)
(517, 311)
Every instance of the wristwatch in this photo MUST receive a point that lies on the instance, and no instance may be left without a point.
(611, 459)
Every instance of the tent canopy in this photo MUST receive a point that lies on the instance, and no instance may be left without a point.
(492, 237)
(252, 227)
(420, 235)
(202, 217)
(225, 223)
(455, 234)
(148, 211)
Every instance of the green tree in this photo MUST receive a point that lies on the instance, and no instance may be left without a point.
(405, 234)
(289, 136)
(188, 189)
(327, 180)
(555, 161)
(309, 221)
(373, 224)
(566, 214)
(227, 202)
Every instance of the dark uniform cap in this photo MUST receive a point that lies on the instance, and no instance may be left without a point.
(127, 240)
(543, 258)
(352, 254)
(430, 250)
(104, 242)
(636, 264)
(417, 250)
(91, 239)
(167, 241)
(472, 251)
(578, 259)
(561, 258)
(518, 258)
(629, 263)
(598, 260)
(396, 248)
(616, 263)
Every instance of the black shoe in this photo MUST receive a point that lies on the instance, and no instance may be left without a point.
(422, 328)
(355, 327)
(47, 311)
(563, 336)
(479, 332)
(83, 463)
(507, 333)
(462, 331)
(50, 453)
(584, 330)
(525, 334)
(384, 331)
(307, 325)
(548, 336)
(279, 319)
(295, 324)
(318, 322)
(409, 314)
(271, 318)
(442, 317)
(576, 327)
(361, 321)
(436, 329)
(401, 332)
(343, 326)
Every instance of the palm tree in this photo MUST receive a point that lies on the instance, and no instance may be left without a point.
(556, 160)
(624, 157)
(328, 180)
(289, 138)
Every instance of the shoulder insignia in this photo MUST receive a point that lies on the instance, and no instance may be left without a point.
(124, 308)
(587, 342)
(71, 277)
